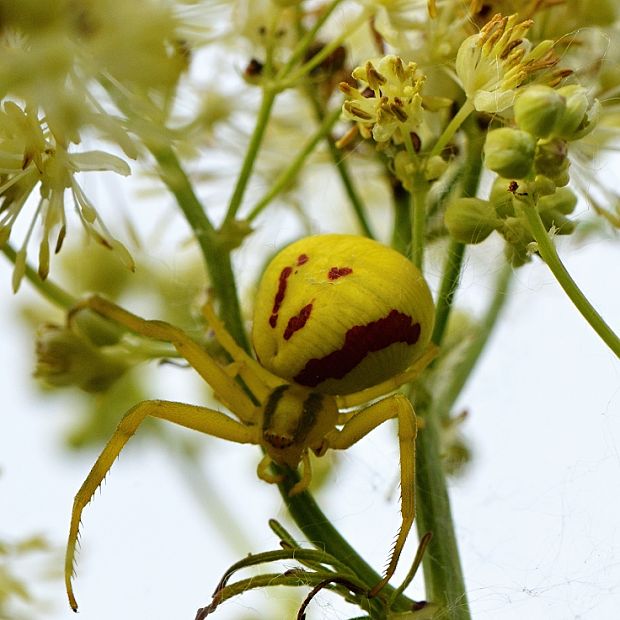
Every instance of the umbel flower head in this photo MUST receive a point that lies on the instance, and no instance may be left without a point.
(498, 60)
(30, 157)
(388, 102)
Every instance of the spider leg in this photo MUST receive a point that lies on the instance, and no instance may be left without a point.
(201, 419)
(391, 384)
(228, 391)
(306, 476)
(264, 473)
(396, 406)
(260, 381)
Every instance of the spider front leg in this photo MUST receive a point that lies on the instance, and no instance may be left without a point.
(200, 419)
(227, 390)
(396, 406)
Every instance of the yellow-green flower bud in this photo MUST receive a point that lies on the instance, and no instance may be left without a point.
(435, 167)
(470, 220)
(552, 160)
(579, 116)
(554, 208)
(544, 186)
(340, 313)
(537, 109)
(560, 224)
(64, 358)
(518, 238)
(563, 201)
(509, 152)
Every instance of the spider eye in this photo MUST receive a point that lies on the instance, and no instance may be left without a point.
(340, 313)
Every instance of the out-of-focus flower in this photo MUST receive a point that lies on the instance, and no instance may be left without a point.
(497, 61)
(30, 156)
(65, 358)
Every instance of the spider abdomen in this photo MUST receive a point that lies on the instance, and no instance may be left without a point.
(340, 313)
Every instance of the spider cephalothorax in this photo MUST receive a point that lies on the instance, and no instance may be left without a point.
(339, 322)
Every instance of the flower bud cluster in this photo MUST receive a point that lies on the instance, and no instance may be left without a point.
(472, 220)
(535, 153)
(546, 120)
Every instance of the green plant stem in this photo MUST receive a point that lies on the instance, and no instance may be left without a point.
(217, 258)
(50, 291)
(417, 204)
(456, 250)
(548, 253)
(443, 576)
(459, 118)
(448, 287)
(262, 119)
(418, 210)
(287, 175)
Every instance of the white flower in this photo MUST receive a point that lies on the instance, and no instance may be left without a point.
(389, 104)
(30, 156)
(494, 63)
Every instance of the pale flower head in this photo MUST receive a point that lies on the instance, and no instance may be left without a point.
(494, 63)
(389, 101)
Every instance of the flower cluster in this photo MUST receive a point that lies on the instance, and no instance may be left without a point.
(534, 152)
(31, 157)
(388, 103)
(497, 61)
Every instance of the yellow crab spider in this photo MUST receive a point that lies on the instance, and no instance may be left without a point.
(339, 321)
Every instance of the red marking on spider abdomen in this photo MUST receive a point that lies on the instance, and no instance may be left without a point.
(338, 272)
(279, 298)
(359, 341)
(302, 259)
(295, 323)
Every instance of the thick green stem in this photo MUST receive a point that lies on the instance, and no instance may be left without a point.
(456, 250)
(443, 576)
(548, 253)
(319, 530)
(217, 259)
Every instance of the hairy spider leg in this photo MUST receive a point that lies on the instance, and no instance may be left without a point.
(395, 406)
(393, 383)
(202, 419)
(228, 391)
